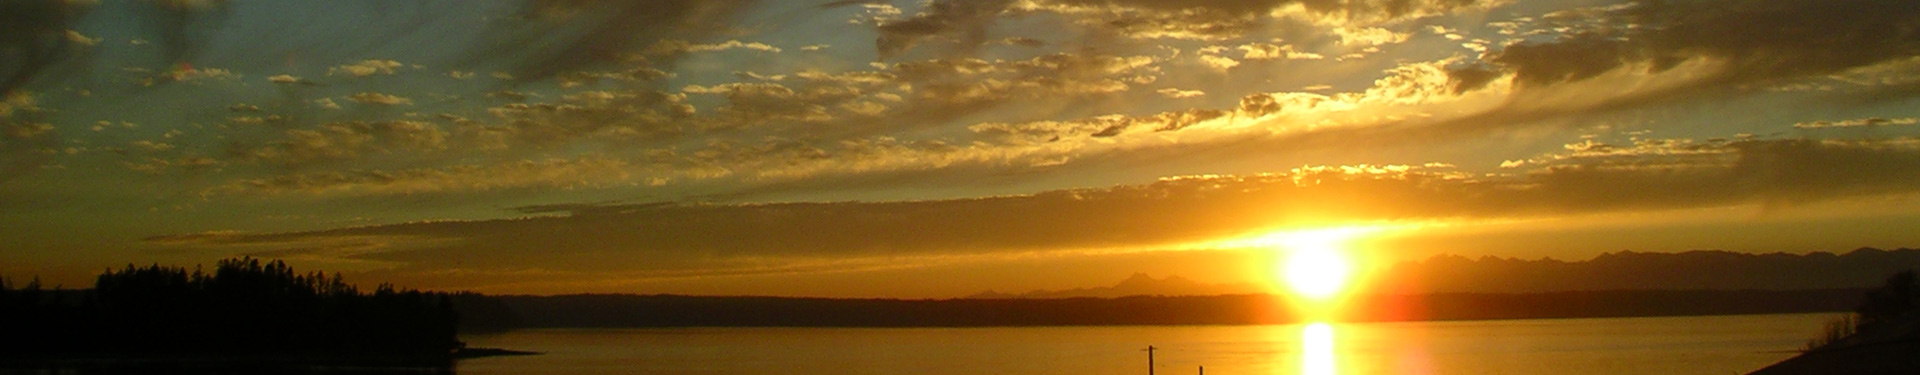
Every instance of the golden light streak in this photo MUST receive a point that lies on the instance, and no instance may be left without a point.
(1317, 350)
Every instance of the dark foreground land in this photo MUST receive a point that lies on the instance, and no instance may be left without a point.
(250, 364)
(245, 313)
(1881, 336)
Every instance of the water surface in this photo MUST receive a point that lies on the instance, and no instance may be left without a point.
(1717, 345)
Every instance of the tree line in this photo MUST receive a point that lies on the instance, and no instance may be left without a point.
(242, 308)
(1887, 313)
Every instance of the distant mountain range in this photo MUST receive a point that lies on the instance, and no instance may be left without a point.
(1440, 288)
(626, 310)
(1627, 270)
(1693, 270)
(1137, 285)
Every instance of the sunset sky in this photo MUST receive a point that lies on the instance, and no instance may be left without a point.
(939, 148)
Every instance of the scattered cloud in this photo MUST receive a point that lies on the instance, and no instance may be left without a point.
(543, 174)
(675, 47)
(367, 68)
(1264, 51)
(150, 146)
(287, 79)
(1181, 94)
(1368, 36)
(81, 39)
(374, 98)
(24, 130)
(188, 73)
(1219, 62)
(345, 140)
(1859, 122)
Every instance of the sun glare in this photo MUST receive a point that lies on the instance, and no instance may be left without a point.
(1316, 273)
(1317, 350)
(1316, 266)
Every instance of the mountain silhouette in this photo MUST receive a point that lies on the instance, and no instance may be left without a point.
(1140, 284)
(1625, 270)
(1628, 270)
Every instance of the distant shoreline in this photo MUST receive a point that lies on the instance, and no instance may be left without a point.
(660, 311)
(470, 353)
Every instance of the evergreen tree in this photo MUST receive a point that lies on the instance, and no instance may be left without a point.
(244, 307)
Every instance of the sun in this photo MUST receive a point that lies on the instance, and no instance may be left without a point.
(1316, 273)
(1315, 267)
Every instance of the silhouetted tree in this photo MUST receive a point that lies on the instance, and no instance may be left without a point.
(1897, 299)
(244, 307)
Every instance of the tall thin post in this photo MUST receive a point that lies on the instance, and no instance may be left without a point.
(1149, 359)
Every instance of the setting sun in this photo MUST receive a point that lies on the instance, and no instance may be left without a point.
(1316, 273)
(1316, 266)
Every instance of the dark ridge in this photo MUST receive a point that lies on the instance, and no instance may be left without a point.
(1628, 270)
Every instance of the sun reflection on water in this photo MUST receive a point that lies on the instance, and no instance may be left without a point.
(1316, 349)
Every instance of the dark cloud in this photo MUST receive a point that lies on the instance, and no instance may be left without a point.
(968, 23)
(25, 136)
(845, 3)
(1470, 77)
(1540, 64)
(1386, 10)
(33, 38)
(1204, 19)
(964, 20)
(1756, 41)
(182, 25)
(752, 103)
(555, 37)
(512, 175)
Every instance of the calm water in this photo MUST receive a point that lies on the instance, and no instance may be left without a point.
(1640, 346)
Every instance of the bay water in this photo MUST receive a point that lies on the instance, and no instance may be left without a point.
(1716, 345)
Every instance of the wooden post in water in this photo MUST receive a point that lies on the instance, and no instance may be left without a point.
(1203, 370)
(1149, 359)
